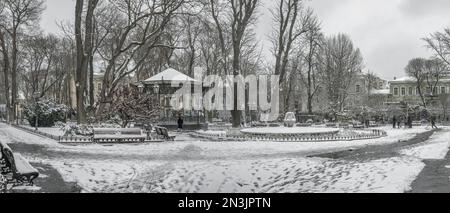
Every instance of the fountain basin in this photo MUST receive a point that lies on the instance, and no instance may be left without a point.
(290, 131)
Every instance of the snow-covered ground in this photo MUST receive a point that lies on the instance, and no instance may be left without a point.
(196, 166)
(55, 131)
(434, 149)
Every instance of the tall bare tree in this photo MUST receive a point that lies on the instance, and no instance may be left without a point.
(291, 20)
(313, 41)
(341, 61)
(439, 42)
(241, 15)
(434, 72)
(416, 70)
(19, 14)
(84, 48)
(138, 29)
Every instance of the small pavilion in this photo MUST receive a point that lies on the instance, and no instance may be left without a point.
(163, 85)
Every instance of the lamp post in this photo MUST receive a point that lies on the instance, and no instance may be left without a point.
(156, 92)
(141, 88)
(36, 96)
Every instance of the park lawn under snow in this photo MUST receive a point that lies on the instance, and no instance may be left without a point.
(284, 175)
(224, 150)
(195, 166)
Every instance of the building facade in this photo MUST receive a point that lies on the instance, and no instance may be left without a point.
(406, 90)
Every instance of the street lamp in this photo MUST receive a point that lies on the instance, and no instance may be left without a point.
(36, 96)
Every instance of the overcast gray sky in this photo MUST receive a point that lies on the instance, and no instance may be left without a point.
(388, 32)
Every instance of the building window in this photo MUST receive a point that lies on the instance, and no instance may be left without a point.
(358, 88)
(396, 91)
(403, 91)
(99, 86)
(443, 90)
(410, 92)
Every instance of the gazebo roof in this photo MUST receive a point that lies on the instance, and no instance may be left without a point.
(170, 76)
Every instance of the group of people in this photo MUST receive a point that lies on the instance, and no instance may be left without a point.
(397, 122)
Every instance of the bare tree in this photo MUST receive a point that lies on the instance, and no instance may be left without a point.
(434, 72)
(6, 73)
(137, 29)
(241, 15)
(439, 42)
(416, 70)
(313, 41)
(84, 48)
(18, 14)
(291, 22)
(40, 62)
(341, 61)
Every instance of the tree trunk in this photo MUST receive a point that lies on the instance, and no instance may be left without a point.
(6, 76)
(236, 114)
(80, 80)
(91, 82)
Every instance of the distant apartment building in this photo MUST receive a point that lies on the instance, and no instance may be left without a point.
(367, 90)
(406, 90)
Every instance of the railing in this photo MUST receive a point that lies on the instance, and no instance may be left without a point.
(369, 134)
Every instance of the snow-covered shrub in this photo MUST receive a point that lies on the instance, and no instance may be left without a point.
(47, 111)
(77, 130)
(108, 125)
(60, 124)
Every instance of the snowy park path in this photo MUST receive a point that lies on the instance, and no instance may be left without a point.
(195, 166)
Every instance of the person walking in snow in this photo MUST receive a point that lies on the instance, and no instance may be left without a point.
(433, 122)
(394, 122)
(180, 124)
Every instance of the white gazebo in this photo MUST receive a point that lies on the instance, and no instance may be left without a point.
(164, 85)
(170, 76)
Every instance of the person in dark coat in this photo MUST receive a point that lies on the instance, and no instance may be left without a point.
(410, 121)
(180, 123)
(433, 122)
(399, 122)
(394, 122)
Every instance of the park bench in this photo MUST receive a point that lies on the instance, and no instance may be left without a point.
(344, 125)
(358, 126)
(3, 166)
(373, 124)
(331, 125)
(3, 184)
(127, 135)
(21, 170)
(304, 125)
(164, 133)
(417, 123)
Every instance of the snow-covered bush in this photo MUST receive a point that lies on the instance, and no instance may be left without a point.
(60, 124)
(47, 111)
(77, 130)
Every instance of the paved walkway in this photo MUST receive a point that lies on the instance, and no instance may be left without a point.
(435, 178)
